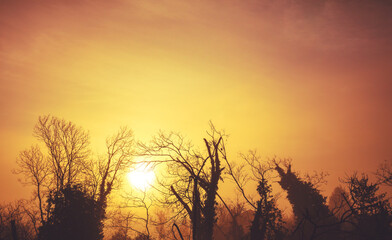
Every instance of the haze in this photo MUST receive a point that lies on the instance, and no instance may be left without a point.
(307, 80)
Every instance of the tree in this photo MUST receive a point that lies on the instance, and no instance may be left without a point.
(143, 236)
(67, 154)
(161, 221)
(68, 161)
(370, 211)
(313, 218)
(267, 221)
(67, 146)
(122, 221)
(120, 234)
(35, 169)
(232, 221)
(72, 214)
(138, 200)
(192, 177)
(338, 202)
(384, 173)
(14, 222)
(118, 160)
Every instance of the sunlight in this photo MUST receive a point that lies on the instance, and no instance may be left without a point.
(141, 177)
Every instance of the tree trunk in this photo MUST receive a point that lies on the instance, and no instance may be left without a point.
(13, 228)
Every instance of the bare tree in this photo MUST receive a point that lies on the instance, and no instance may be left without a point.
(339, 202)
(267, 221)
(35, 170)
(68, 162)
(192, 178)
(384, 173)
(233, 221)
(123, 221)
(161, 222)
(118, 160)
(104, 174)
(14, 222)
(143, 201)
(67, 153)
(67, 146)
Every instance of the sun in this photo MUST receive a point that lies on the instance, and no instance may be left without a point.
(141, 177)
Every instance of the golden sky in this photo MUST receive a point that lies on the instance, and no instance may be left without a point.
(304, 79)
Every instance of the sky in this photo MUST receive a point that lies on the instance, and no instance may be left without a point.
(301, 79)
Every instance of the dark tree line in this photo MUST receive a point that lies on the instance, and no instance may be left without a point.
(360, 212)
(72, 188)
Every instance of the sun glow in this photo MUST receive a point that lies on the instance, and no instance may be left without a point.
(141, 177)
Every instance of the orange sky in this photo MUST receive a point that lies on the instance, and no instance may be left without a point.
(309, 80)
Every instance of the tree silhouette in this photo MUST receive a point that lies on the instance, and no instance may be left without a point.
(194, 177)
(143, 237)
(120, 234)
(267, 222)
(59, 166)
(202, 211)
(66, 155)
(233, 221)
(36, 172)
(119, 154)
(72, 214)
(370, 211)
(141, 201)
(68, 161)
(384, 173)
(339, 203)
(14, 222)
(161, 224)
(67, 146)
(313, 218)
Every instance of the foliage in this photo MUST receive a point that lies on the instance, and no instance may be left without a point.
(313, 218)
(72, 214)
(67, 161)
(267, 222)
(370, 211)
(188, 187)
(143, 237)
(120, 235)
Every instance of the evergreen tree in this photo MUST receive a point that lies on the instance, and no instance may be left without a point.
(73, 214)
(267, 222)
(371, 211)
